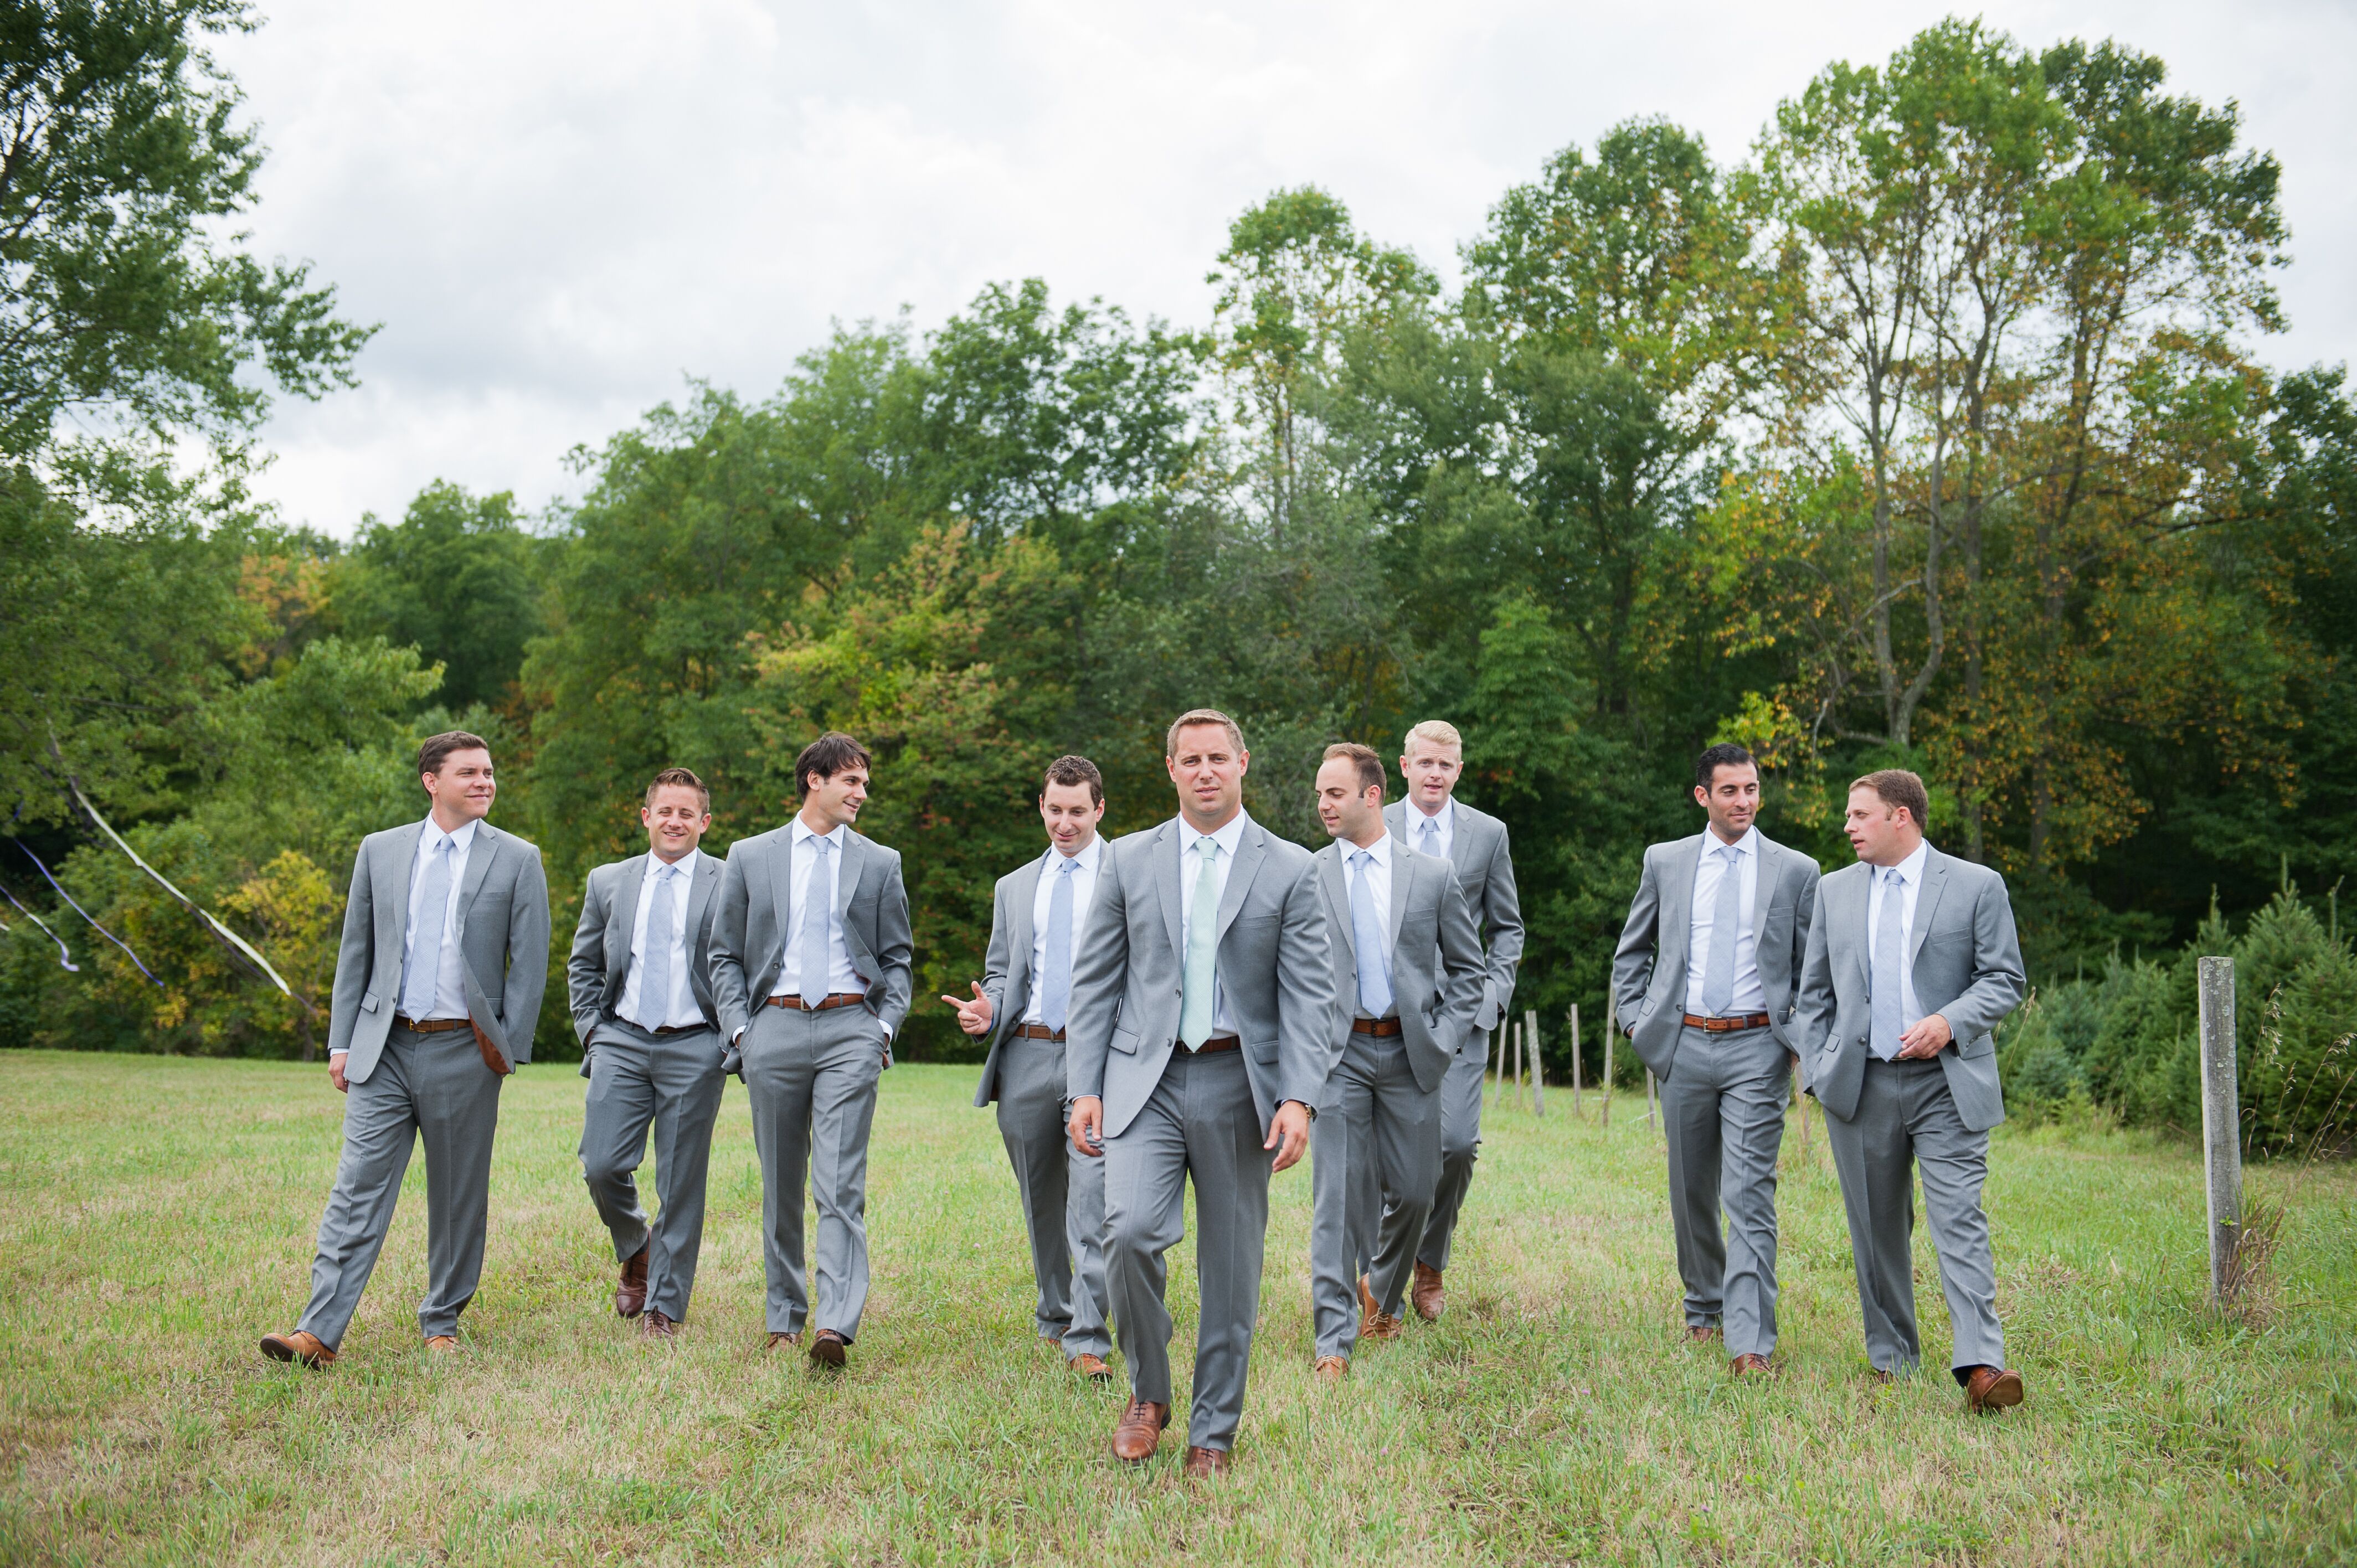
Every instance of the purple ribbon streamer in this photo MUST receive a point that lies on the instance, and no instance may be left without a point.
(65, 956)
(94, 925)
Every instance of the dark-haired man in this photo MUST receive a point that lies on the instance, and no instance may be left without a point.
(1911, 965)
(438, 981)
(1200, 1028)
(642, 993)
(1705, 975)
(1407, 975)
(1023, 1003)
(810, 973)
(1433, 821)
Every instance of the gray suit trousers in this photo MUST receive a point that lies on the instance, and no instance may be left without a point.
(670, 1083)
(1199, 1121)
(431, 1086)
(1376, 1138)
(1063, 1197)
(1906, 1113)
(1461, 1144)
(1722, 1114)
(811, 1079)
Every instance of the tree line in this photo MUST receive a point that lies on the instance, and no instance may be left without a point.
(1929, 432)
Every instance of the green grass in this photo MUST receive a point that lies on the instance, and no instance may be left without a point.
(156, 1215)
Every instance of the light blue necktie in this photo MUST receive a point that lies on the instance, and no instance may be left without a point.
(1885, 1023)
(1725, 914)
(1198, 1011)
(1055, 985)
(1367, 936)
(654, 978)
(1429, 831)
(425, 932)
(817, 898)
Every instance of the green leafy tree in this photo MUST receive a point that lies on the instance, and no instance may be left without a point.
(454, 579)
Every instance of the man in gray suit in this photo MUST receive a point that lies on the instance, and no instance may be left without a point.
(1705, 975)
(1911, 964)
(1433, 821)
(1023, 1003)
(1201, 1033)
(642, 1005)
(810, 973)
(1407, 975)
(437, 991)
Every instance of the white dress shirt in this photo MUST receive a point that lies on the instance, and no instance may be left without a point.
(1444, 822)
(672, 945)
(1910, 870)
(1189, 868)
(1378, 893)
(1710, 870)
(1085, 888)
(840, 975)
(450, 988)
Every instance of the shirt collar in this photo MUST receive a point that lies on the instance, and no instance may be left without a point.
(1414, 816)
(833, 836)
(1912, 868)
(1748, 844)
(1086, 860)
(685, 864)
(463, 840)
(1227, 838)
(1380, 849)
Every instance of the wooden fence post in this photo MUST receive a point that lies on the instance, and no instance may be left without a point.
(1611, 1027)
(1498, 1098)
(1538, 1062)
(1579, 1071)
(2222, 1122)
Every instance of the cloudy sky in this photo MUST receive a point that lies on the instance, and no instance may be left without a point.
(559, 211)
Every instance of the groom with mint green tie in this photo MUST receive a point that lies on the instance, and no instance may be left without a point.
(1198, 1038)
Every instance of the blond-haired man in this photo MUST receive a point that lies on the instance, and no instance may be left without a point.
(1433, 821)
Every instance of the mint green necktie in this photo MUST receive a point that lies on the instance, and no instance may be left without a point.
(1196, 1010)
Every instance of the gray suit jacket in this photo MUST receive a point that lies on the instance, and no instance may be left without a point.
(599, 967)
(1007, 967)
(1485, 874)
(1649, 967)
(751, 918)
(1437, 974)
(1274, 968)
(1966, 968)
(502, 930)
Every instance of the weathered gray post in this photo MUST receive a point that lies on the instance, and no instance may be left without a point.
(1577, 1074)
(1538, 1062)
(1652, 1095)
(1499, 1098)
(1611, 1027)
(2221, 1122)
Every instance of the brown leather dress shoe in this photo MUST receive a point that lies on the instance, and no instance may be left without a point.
(1748, 1363)
(782, 1341)
(1992, 1387)
(300, 1348)
(630, 1294)
(1701, 1334)
(1375, 1322)
(829, 1349)
(655, 1326)
(1331, 1369)
(1424, 1294)
(1140, 1431)
(1880, 1379)
(1091, 1366)
(1206, 1463)
(442, 1343)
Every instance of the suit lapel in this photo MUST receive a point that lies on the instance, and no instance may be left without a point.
(847, 876)
(781, 893)
(1338, 895)
(1401, 872)
(1250, 852)
(699, 898)
(402, 864)
(478, 864)
(1165, 858)
(1678, 899)
(1926, 900)
(1027, 893)
(623, 924)
(1763, 893)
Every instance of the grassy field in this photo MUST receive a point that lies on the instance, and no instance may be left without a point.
(156, 1215)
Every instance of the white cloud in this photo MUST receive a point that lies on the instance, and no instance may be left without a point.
(559, 210)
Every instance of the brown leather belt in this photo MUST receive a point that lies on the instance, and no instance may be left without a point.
(1217, 1044)
(1381, 1028)
(1037, 1032)
(430, 1026)
(1727, 1026)
(794, 1000)
(684, 1028)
